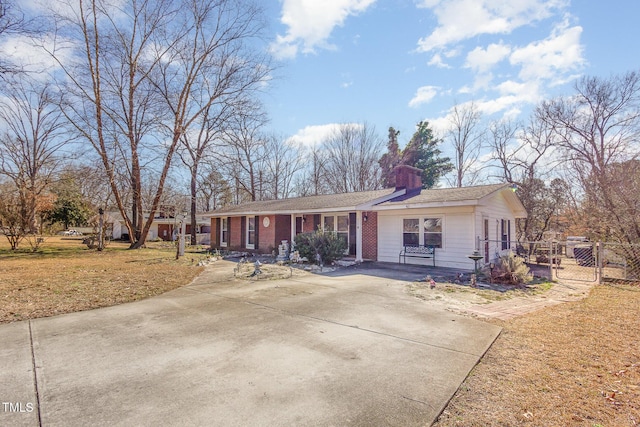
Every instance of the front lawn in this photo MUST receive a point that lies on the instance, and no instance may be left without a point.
(573, 364)
(65, 276)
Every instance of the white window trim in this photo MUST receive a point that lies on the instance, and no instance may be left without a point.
(335, 226)
(224, 226)
(421, 231)
(246, 237)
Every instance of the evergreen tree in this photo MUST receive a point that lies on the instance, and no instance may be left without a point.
(390, 160)
(421, 152)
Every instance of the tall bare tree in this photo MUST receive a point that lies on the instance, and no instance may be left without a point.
(144, 74)
(12, 21)
(312, 179)
(281, 163)
(30, 146)
(243, 149)
(598, 129)
(466, 137)
(213, 188)
(353, 151)
(525, 158)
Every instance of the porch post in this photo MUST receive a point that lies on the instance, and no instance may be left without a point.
(358, 236)
(293, 232)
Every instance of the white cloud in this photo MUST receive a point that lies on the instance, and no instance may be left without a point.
(460, 20)
(312, 135)
(550, 58)
(482, 60)
(423, 95)
(22, 50)
(310, 23)
(438, 62)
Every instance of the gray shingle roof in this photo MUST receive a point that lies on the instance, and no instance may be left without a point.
(346, 201)
(349, 201)
(442, 195)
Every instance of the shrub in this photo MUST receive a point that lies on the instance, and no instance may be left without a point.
(510, 270)
(328, 245)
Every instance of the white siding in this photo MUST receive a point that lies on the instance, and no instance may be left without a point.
(495, 209)
(458, 236)
(463, 227)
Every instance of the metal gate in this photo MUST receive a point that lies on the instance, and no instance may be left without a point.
(572, 260)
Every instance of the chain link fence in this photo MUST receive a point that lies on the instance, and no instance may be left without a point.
(602, 262)
(620, 263)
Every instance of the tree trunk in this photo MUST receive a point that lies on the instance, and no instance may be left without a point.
(194, 174)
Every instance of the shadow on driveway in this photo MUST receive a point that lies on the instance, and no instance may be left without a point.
(312, 350)
(406, 272)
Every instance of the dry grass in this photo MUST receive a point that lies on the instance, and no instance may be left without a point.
(575, 364)
(65, 276)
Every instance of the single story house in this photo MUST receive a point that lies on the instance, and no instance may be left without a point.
(163, 227)
(378, 224)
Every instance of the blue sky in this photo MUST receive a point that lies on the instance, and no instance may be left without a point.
(394, 63)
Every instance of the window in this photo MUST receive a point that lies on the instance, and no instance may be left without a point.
(329, 223)
(410, 232)
(251, 232)
(506, 233)
(429, 235)
(432, 232)
(224, 231)
(343, 229)
(338, 224)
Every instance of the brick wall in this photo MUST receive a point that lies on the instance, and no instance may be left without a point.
(308, 224)
(215, 234)
(266, 235)
(236, 238)
(370, 236)
(408, 177)
(283, 229)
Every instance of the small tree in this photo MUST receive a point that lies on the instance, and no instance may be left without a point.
(328, 245)
(11, 217)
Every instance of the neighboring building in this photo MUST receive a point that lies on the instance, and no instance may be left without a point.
(377, 224)
(163, 227)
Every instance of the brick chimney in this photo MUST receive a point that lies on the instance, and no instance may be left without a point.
(408, 177)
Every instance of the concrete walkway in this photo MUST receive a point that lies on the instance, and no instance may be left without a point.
(307, 351)
(565, 291)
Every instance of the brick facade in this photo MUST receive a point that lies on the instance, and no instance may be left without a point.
(266, 235)
(236, 237)
(283, 230)
(215, 234)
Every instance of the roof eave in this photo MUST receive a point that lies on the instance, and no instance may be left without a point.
(426, 205)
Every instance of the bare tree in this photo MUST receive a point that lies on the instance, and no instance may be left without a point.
(525, 158)
(281, 163)
(31, 144)
(214, 190)
(598, 129)
(12, 21)
(312, 180)
(466, 137)
(243, 149)
(145, 73)
(353, 151)
(502, 140)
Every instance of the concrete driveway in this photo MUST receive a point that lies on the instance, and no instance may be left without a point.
(309, 350)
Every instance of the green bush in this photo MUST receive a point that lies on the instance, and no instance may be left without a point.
(510, 270)
(328, 245)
